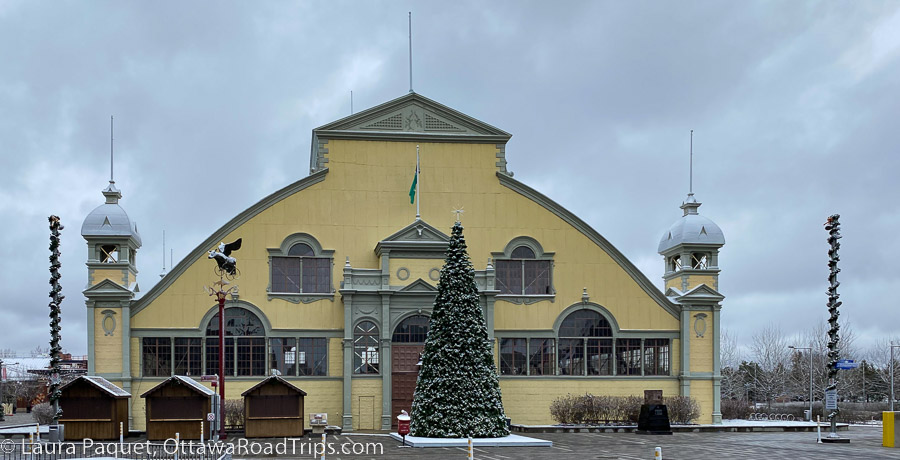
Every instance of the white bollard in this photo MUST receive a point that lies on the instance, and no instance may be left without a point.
(323, 447)
(471, 450)
(177, 444)
(818, 431)
(37, 432)
(121, 433)
(201, 432)
(657, 453)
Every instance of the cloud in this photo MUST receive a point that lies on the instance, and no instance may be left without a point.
(793, 107)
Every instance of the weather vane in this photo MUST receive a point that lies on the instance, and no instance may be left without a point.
(226, 265)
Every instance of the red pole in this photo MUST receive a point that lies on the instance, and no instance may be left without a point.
(221, 297)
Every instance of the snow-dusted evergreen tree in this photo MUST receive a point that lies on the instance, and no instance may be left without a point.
(457, 392)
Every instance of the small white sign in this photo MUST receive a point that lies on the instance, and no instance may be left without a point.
(210, 417)
(830, 399)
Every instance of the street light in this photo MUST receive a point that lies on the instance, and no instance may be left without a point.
(892, 373)
(810, 377)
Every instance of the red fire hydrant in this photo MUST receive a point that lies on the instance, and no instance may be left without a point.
(403, 425)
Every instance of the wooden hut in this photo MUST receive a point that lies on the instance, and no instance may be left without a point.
(177, 405)
(93, 408)
(273, 408)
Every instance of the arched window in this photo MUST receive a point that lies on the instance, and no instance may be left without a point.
(524, 269)
(300, 266)
(365, 348)
(585, 344)
(243, 327)
(413, 329)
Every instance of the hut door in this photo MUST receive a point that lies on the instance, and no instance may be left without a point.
(404, 360)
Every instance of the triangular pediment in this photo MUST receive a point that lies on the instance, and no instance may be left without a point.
(419, 285)
(701, 293)
(419, 230)
(108, 288)
(412, 114)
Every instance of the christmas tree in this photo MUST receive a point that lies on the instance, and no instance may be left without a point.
(457, 393)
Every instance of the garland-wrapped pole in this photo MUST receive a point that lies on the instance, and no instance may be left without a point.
(56, 299)
(834, 234)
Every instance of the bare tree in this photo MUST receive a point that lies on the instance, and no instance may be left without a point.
(769, 350)
(732, 380)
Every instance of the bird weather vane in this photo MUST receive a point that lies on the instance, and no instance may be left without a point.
(226, 266)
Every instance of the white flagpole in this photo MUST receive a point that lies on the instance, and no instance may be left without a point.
(418, 180)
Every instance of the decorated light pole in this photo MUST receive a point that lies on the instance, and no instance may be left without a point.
(834, 234)
(56, 299)
(226, 267)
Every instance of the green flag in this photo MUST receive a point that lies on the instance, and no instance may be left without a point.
(412, 188)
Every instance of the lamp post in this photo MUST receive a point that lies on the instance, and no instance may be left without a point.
(810, 377)
(2, 409)
(892, 373)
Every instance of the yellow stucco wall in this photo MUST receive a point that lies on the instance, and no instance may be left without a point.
(113, 274)
(702, 348)
(702, 391)
(364, 198)
(527, 400)
(107, 348)
(696, 280)
(366, 401)
(335, 357)
(418, 268)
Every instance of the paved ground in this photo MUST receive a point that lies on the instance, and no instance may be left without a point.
(865, 444)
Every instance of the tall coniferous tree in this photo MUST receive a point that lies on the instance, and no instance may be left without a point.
(458, 393)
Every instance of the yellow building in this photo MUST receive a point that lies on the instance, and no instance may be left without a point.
(338, 277)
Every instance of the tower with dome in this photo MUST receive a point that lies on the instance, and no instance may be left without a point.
(690, 249)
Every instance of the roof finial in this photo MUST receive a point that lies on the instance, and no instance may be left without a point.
(111, 193)
(691, 181)
(410, 53)
(111, 180)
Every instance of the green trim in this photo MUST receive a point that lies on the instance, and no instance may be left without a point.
(222, 232)
(593, 235)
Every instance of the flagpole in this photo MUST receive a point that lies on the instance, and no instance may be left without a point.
(418, 173)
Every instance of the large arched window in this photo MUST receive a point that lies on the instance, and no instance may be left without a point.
(243, 327)
(413, 329)
(365, 348)
(585, 344)
(300, 266)
(524, 269)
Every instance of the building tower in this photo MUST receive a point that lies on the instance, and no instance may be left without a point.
(690, 249)
(112, 243)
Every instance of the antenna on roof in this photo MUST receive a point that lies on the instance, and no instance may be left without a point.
(691, 183)
(111, 181)
(410, 53)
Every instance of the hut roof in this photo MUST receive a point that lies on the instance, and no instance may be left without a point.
(277, 379)
(101, 384)
(182, 380)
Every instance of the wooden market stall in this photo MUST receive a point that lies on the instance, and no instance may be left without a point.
(273, 408)
(177, 405)
(93, 407)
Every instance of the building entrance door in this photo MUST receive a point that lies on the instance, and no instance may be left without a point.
(407, 344)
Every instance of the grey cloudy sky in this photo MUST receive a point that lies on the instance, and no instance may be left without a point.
(794, 107)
